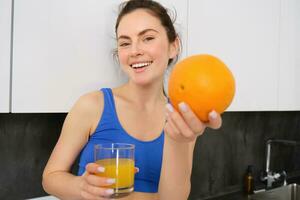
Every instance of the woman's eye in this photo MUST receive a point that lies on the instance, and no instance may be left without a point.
(148, 39)
(124, 44)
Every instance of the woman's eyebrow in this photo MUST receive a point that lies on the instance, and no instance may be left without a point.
(139, 34)
(146, 30)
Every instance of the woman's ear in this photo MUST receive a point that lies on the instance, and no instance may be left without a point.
(174, 48)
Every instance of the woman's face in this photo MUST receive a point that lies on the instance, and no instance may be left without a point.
(143, 47)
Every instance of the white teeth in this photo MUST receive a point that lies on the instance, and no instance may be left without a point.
(138, 65)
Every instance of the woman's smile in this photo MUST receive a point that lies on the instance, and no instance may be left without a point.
(139, 67)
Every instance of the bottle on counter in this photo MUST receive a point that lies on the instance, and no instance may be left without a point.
(249, 180)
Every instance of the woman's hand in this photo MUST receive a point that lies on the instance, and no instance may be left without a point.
(186, 126)
(94, 187)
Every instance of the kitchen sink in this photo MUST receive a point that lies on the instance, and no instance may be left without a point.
(288, 192)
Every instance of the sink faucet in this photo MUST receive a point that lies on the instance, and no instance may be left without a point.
(270, 176)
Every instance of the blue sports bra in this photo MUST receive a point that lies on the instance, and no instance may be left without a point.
(148, 154)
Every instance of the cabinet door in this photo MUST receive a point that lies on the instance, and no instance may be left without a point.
(5, 35)
(245, 35)
(178, 12)
(289, 76)
(63, 49)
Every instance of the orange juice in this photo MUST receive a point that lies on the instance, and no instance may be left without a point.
(122, 169)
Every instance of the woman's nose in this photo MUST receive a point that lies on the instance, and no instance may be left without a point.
(136, 49)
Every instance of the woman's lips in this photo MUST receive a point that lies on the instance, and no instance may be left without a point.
(141, 64)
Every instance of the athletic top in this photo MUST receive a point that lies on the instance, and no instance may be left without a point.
(148, 154)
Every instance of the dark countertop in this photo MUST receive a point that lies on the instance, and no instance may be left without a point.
(232, 196)
(240, 195)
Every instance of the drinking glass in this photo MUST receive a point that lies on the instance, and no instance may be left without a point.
(118, 161)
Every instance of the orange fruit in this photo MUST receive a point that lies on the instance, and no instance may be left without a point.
(204, 82)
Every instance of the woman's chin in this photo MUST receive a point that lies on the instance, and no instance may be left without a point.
(141, 82)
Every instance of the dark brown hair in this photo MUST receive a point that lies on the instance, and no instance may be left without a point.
(157, 10)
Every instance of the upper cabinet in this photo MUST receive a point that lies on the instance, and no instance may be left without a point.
(289, 76)
(245, 35)
(63, 49)
(5, 42)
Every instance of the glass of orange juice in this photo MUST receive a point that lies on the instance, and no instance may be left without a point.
(118, 161)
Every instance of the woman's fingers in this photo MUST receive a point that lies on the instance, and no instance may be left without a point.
(94, 192)
(172, 130)
(99, 181)
(96, 187)
(177, 127)
(94, 168)
(215, 120)
(90, 175)
(191, 119)
(186, 126)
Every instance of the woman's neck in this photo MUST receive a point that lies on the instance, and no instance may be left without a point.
(144, 96)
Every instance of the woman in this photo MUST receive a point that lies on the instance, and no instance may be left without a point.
(137, 112)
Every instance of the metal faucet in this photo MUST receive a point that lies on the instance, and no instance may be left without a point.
(271, 177)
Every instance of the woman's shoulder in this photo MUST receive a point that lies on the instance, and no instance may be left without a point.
(88, 108)
(91, 99)
(89, 103)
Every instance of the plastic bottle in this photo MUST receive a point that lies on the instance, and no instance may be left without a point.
(249, 180)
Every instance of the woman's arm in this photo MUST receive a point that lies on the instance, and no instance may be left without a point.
(181, 133)
(176, 170)
(57, 179)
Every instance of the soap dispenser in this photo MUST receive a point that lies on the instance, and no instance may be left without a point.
(249, 180)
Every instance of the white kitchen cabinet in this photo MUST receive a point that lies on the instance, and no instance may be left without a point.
(63, 49)
(245, 35)
(289, 76)
(5, 35)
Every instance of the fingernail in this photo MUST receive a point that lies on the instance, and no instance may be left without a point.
(109, 191)
(170, 107)
(101, 169)
(213, 114)
(137, 169)
(183, 107)
(110, 180)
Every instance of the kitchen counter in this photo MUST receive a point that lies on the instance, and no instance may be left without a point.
(237, 195)
(45, 198)
(231, 196)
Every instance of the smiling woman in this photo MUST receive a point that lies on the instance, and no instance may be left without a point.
(136, 112)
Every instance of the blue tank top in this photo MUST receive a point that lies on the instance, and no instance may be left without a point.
(148, 154)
